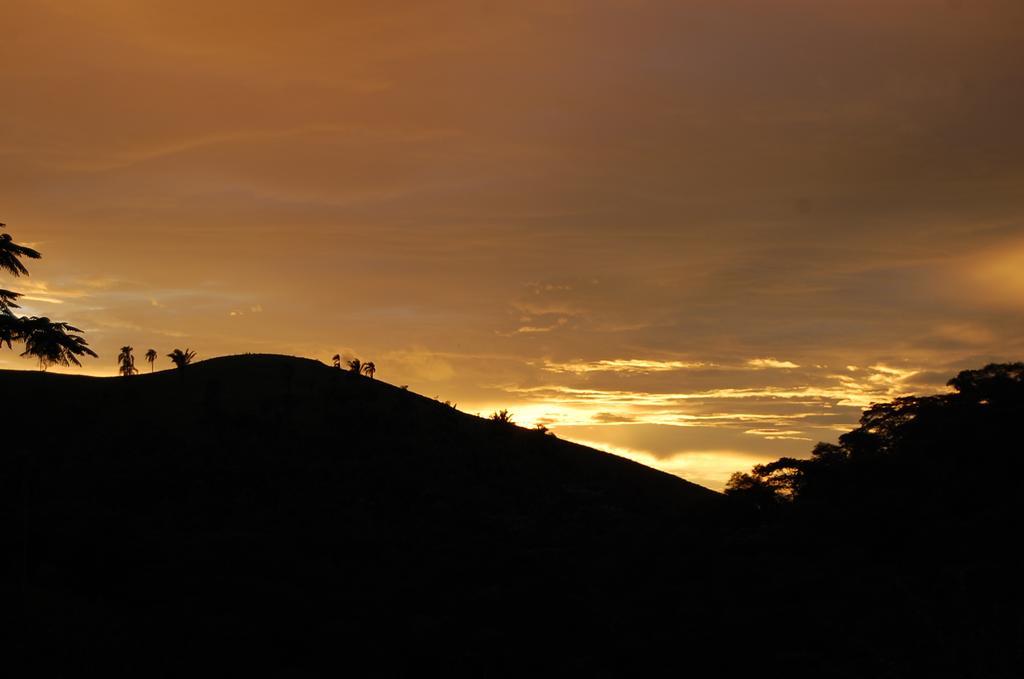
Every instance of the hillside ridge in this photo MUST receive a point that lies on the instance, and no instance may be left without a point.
(262, 374)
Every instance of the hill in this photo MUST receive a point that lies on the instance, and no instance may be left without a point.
(273, 512)
(270, 515)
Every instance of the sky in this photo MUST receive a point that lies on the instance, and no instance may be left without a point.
(699, 233)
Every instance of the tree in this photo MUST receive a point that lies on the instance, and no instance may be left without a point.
(8, 300)
(126, 362)
(11, 254)
(9, 323)
(53, 343)
(755, 491)
(337, 361)
(369, 369)
(12, 327)
(542, 429)
(502, 416)
(151, 357)
(928, 445)
(356, 366)
(993, 384)
(181, 358)
(788, 479)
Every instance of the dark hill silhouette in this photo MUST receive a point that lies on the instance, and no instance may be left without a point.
(275, 512)
(270, 515)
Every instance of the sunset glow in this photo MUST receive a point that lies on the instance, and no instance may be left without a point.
(641, 224)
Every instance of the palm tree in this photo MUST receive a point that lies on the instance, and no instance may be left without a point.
(11, 254)
(12, 328)
(181, 358)
(126, 362)
(8, 301)
(151, 357)
(53, 343)
(502, 416)
(337, 361)
(369, 369)
(10, 325)
(355, 365)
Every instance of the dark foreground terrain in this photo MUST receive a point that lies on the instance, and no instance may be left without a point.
(271, 515)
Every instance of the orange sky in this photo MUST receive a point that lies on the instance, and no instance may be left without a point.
(701, 234)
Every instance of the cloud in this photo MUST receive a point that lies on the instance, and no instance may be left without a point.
(839, 390)
(420, 364)
(770, 363)
(623, 365)
(779, 434)
(709, 468)
(42, 291)
(254, 309)
(611, 418)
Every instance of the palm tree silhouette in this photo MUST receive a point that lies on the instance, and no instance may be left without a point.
(12, 328)
(181, 358)
(356, 366)
(126, 362)
(8, 300)
(11, 254)
(502, 416)
(369, 369)
(337, 361)
(53, 343)
(151, 357)
(10, 325)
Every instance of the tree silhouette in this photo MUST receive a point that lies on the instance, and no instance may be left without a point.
(355, 365)
(993, 384)
(126, 362)
(904, 441)
(10, 325)
(151, 357)
(502, 416)
(337, 361)
(369, 369)
(11, 254)
(10, 329)
(181, 358)
(8, 300)
(53, 343)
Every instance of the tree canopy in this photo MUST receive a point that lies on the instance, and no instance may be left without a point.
(182, 358)
(939, 442)
(50, 342)
(53, 343)
(11, 254)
